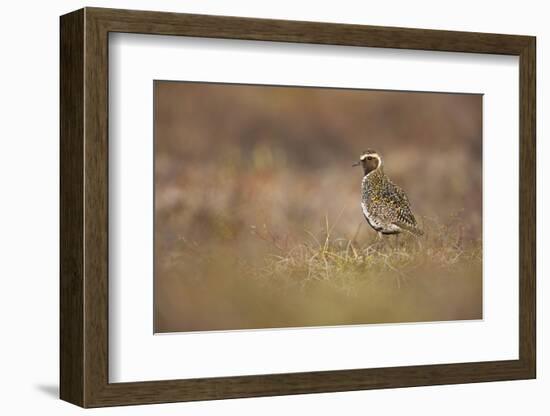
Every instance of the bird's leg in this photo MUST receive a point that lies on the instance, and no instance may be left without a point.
(419, 242)
(380, 244)
(397, 241)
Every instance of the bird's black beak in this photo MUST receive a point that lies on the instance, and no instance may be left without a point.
(356, 164)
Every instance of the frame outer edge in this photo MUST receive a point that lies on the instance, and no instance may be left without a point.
(72, 343)
(96, 209)
(528, 208)
(341, 34)
(84, 202)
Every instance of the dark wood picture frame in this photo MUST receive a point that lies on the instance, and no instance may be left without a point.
(84, 207)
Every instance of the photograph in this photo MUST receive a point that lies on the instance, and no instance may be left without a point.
(299, 206)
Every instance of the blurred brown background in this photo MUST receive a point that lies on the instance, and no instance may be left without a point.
(247, 172)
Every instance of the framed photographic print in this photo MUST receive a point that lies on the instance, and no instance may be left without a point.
(255, 207)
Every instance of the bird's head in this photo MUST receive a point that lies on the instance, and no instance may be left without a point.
(370, 161)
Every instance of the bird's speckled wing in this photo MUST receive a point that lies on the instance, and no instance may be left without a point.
(401, 214)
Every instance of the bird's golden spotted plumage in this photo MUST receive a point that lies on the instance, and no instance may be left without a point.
(385, 205)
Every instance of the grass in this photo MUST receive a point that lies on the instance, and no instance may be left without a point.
(345, 263)
(329, 280)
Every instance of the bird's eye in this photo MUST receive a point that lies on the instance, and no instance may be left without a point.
(369, 158)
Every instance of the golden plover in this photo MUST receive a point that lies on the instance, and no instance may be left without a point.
(385, 205)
